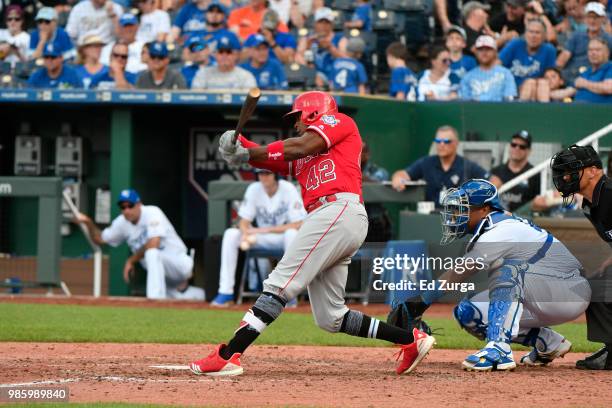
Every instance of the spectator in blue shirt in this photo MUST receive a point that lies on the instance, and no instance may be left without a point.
(488, 81)
(48, 31)
(268, 72)
(595, 84)
(90, 67)
(362, 16)
(574, 57)
(442, 171)
(403, 81)
(196, 54)
(348, 74)
(54, 75)
(115, 77)
(282, 45)
(527, 58)
(455, 43)
(191, 19)
(322, 47)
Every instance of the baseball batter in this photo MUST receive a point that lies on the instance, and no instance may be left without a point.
(276, 207)
(534, 281)
(325, 160)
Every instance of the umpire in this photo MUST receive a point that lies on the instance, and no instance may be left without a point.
(578, 169)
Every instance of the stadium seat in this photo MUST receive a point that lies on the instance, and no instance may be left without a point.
(300, 76)
(348, 5)
(406, 5)
(23, 70)
(384, 20)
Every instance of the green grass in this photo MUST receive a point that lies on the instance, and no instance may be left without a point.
(71, 323)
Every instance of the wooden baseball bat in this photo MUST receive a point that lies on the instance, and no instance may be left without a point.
(247, 110)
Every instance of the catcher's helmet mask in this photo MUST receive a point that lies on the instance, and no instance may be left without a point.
(458, 202)
(566, 169)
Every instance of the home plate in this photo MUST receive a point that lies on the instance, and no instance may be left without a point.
(171, 367)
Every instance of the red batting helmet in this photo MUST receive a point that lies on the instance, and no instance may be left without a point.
(312, 105)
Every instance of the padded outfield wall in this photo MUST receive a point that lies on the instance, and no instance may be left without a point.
(149, 145)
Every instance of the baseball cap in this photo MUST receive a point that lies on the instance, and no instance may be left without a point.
(14, 10)
(486, 41)
(218, 7)
(255, 40)
(594, 7)
(51, 50)
(355, 44)
(524, 135)
(158, 49)
(258, 170)
(228, 42)
(46, 13)
(473, 5)
(91, 39)
(127, 19)
(270, 20)
(128, 196)
(195, 43)
(458, 30)
(324, 13)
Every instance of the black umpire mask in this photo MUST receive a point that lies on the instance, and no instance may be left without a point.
(566, 169)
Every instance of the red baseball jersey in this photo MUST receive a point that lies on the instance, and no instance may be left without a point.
(337, 170)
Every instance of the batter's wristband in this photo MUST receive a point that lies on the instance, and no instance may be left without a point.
(276, 151)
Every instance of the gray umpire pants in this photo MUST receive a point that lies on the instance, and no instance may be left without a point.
(318, 259)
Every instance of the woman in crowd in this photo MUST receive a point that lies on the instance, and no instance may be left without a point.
(438, 83)
(14, 42)
(90, 68)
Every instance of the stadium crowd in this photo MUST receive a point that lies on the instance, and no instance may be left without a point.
(416, 50)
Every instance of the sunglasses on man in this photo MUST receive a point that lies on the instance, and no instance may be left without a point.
(443, 140)
(122, 56)
(126, 206)
(43, 21)
(519, 145)
(157, 57)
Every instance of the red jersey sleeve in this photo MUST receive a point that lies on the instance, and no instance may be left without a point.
(280, 167)
(331, 128)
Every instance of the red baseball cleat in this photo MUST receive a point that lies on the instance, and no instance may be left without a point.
(215, 365)
(414, 352)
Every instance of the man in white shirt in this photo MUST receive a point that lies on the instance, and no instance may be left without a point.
(154, 244)
(99, 17)
(128, 29)
(154, 23)
(277, 208)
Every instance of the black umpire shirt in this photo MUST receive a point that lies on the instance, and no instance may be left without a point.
(599, 212)
(521, 194)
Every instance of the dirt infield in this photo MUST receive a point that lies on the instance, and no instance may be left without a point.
(295, 376)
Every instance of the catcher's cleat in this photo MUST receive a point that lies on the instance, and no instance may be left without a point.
(537, 358)
(214, 365)
(491, 357)
(412, 354)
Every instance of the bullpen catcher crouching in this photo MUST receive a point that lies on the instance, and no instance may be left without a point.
(325, 161)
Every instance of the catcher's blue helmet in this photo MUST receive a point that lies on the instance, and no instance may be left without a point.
(456, 206)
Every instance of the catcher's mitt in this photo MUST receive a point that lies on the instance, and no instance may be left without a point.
(408, 315)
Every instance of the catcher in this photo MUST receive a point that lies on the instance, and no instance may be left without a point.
(534, 282)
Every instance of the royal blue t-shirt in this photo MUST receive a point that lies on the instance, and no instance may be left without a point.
(363, 13)
(403, 80)
(584, 95)
(463, 66)
(88, 78)
(106, 81)
(430, 169)
(189, 72)
(348, 74)
(191, 20)
(515, 57)
(322, 58)
(61, 41)
(68, 79)
(270, 76)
